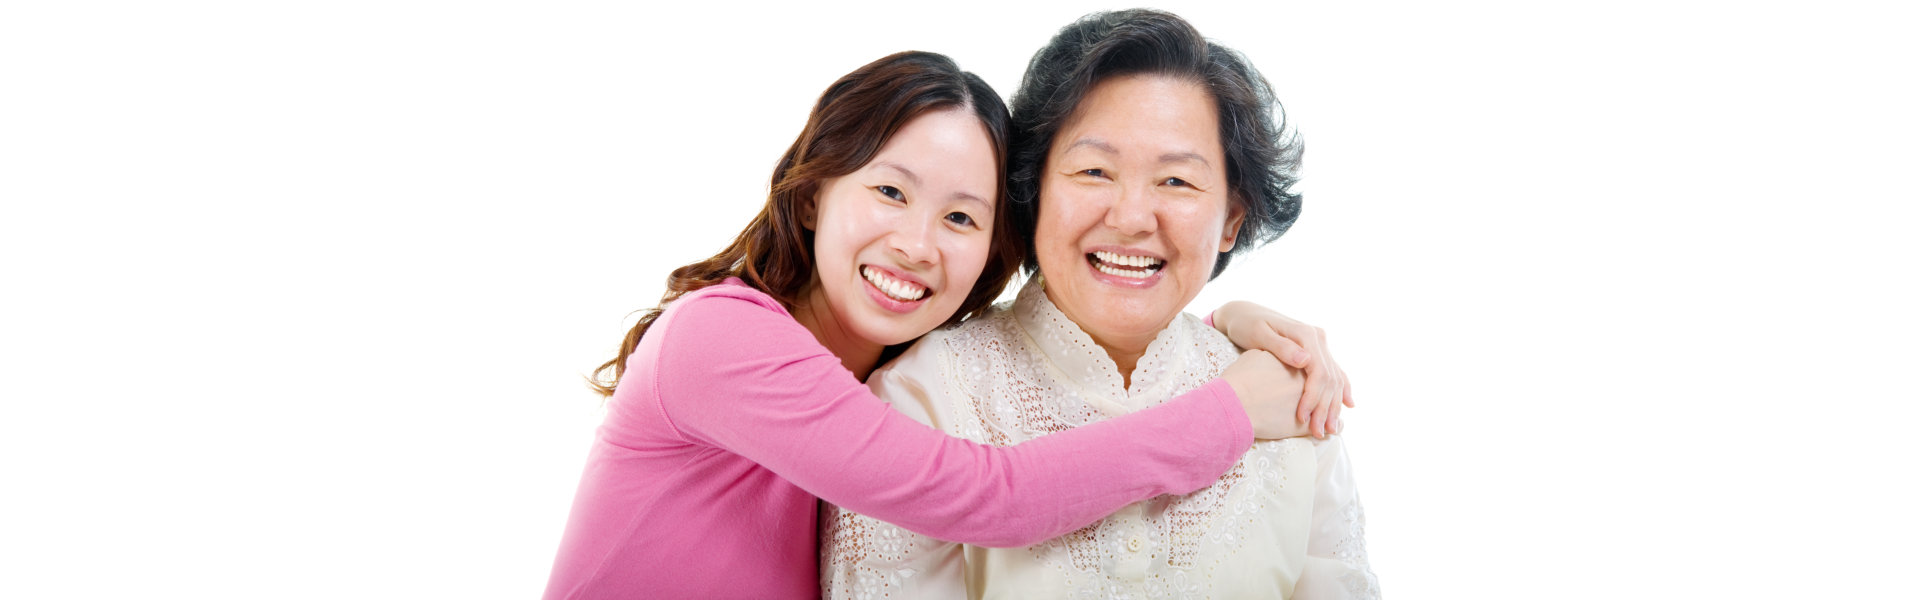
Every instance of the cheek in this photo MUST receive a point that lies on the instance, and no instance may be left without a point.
(843, 227)
(1201, 226)
(1057, 224)
(968, 258)
(1050, 240)
(1198, 243)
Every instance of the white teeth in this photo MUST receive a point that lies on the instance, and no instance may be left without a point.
(898, 290)
(1138, 262)
(1130, 273)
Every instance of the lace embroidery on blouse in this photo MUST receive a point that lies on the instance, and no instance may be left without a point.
(878, 551)
(1352, 550)
(1023, 372)
(1005, 396)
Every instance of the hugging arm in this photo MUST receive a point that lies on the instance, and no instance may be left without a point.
(864, 557)
(1297, 344)
(778, 398)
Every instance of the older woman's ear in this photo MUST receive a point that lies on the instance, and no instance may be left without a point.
(1230, 233)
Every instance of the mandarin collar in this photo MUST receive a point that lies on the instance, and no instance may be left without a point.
(1087, 364)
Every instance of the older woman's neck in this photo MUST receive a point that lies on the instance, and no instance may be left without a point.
(1125, 354)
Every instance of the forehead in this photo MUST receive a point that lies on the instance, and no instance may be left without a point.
(948, 148)
(1144, 113)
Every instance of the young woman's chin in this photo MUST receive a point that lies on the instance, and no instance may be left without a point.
(887, 320)
(887, 328)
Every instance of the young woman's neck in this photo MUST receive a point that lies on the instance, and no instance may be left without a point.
(858, 355)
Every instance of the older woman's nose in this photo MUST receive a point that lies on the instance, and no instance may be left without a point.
(1132, 212)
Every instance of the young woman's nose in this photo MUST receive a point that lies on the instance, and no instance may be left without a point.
(1131, 212)
(913, 239)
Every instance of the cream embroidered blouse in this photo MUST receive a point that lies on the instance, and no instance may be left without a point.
(1285, 522)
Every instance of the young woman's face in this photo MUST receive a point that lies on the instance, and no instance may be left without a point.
(1134, 206)
(899, 243)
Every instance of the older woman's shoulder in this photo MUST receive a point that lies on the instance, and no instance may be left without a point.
(932, 350)
(1203, 334)
(996, 320)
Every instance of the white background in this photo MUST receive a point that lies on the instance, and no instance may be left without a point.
(298, 298)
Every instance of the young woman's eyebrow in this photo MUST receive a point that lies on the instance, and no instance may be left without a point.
(914, 178)
(972, 198)
(905, 172)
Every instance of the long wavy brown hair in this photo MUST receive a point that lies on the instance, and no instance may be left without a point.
(852, 120)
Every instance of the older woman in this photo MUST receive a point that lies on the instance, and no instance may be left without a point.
(1145, 157)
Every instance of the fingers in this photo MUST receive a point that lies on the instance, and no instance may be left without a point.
(1283, 348)
(1319, 426)
(1333, 417)
(1337, 399)
(1331, 401)
(1326, 401)
(1310, 396)
(1326, 389)
(1324, 356)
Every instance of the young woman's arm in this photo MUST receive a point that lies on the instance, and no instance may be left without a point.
(740, 375)
(1298, 344)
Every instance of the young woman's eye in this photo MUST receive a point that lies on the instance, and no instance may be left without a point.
(1176, 182)
(1094, 172)
(891, 192)
(960, 218)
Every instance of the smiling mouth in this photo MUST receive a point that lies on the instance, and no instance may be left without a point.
(893, 288)
(1121, 265)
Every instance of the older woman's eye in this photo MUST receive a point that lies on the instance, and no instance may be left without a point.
(1094, 172)
(891, 192)
(960, 218)
(1177, 182)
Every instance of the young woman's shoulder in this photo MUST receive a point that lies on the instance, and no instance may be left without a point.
(718, 308)
(720, 349)
(729, 293)
(719, 329)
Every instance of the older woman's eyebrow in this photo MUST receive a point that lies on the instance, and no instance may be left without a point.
(1174, 157)
(1092, 142)
(1103, 146)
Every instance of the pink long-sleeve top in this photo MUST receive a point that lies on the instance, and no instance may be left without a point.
(732, 418)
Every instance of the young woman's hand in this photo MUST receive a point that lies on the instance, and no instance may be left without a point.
(1297, 344)
(1270, 393)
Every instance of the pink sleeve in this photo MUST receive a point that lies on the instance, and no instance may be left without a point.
(746, 378)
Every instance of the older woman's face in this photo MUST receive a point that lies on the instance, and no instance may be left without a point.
(1133, 206)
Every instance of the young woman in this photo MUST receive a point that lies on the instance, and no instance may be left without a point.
(739, 400)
